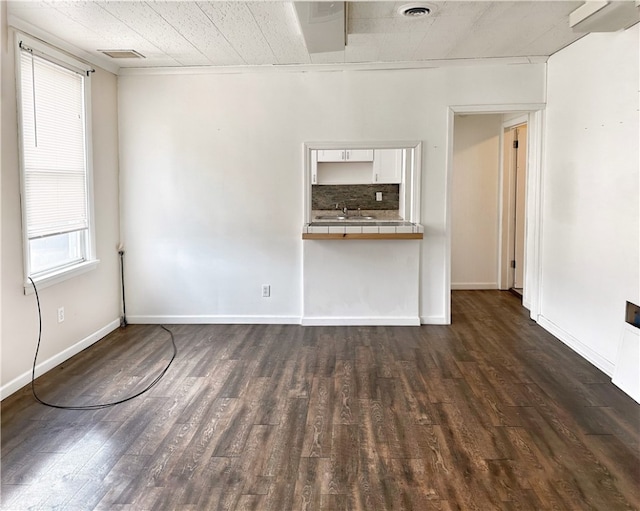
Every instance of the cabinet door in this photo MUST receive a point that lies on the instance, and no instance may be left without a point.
(314, 167)
(325, 155)
(359, 154)
(329, 155)
(387, 166)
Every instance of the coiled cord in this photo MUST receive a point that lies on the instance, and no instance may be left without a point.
(94, 406)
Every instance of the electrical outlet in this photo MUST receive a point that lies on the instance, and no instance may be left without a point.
(379, 196)
(60, 314)
(266, 291)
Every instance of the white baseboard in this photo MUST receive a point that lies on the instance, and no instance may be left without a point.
(606, 366)
(213, 320)
(24, 379)
(361, 321)
(434, 320)
(468, 286)
(626, 375)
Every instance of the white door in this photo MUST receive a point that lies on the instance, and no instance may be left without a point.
(520, 147)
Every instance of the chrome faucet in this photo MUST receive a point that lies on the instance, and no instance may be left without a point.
(345, 210)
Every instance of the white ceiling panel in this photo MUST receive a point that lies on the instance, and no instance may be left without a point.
(188, 19)
(394, 25)
(236, 23)
(112, 32)
(278, 25)
(447, 31)
(476, 40)
(142, 19)
(520, 22)
(212, 33)
(363, 48)
(400, 47)
(49, 18)
(549, 39)
(373, 10)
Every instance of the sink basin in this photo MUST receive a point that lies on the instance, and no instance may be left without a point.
(383, 223)
(345, 217)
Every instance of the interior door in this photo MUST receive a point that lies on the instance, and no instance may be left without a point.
(520, 146)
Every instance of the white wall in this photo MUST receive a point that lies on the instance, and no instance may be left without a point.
(212, 175)
(474, 204)
(91, 300)
(590, 228)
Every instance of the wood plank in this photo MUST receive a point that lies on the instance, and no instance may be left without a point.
(317, 439)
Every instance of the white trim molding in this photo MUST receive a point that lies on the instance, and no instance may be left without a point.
(534, 218)
(25, 378)
(360, 321)
(606, 366)
(276, 320)
(338, 67)
(627, 369)
(60, 275)
(462, 286)
(214, 319)
(435, 320)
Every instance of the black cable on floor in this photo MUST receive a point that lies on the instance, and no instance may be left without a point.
(96, 406)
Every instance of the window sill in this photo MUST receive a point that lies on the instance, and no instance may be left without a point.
(59, 276)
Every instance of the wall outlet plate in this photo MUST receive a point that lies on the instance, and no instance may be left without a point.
(266, 291)
(60, 314)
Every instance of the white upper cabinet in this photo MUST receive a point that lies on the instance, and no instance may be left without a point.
(333, 155)
(387, 166)
(357, 166)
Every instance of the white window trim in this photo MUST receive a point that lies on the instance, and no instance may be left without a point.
(57, 275)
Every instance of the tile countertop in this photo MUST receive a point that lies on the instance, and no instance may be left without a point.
(362, 229)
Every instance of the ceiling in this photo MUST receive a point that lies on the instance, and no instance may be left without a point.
(190, 33)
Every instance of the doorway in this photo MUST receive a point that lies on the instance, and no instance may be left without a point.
(513, 115)
(514, 199)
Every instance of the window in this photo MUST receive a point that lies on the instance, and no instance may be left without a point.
(53, 99)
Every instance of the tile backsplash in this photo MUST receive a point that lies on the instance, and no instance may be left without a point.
(355, 196)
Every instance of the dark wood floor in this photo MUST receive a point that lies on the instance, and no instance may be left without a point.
(489, 413)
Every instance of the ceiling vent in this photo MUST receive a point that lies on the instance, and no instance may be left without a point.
(415, 10)
(122, 54)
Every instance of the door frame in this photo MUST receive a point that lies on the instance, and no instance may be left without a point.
(533, 227)
(507, 202)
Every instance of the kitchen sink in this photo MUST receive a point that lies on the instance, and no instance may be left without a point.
(392, 223)
(346, 217)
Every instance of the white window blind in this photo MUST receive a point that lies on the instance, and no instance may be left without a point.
(53, 144)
